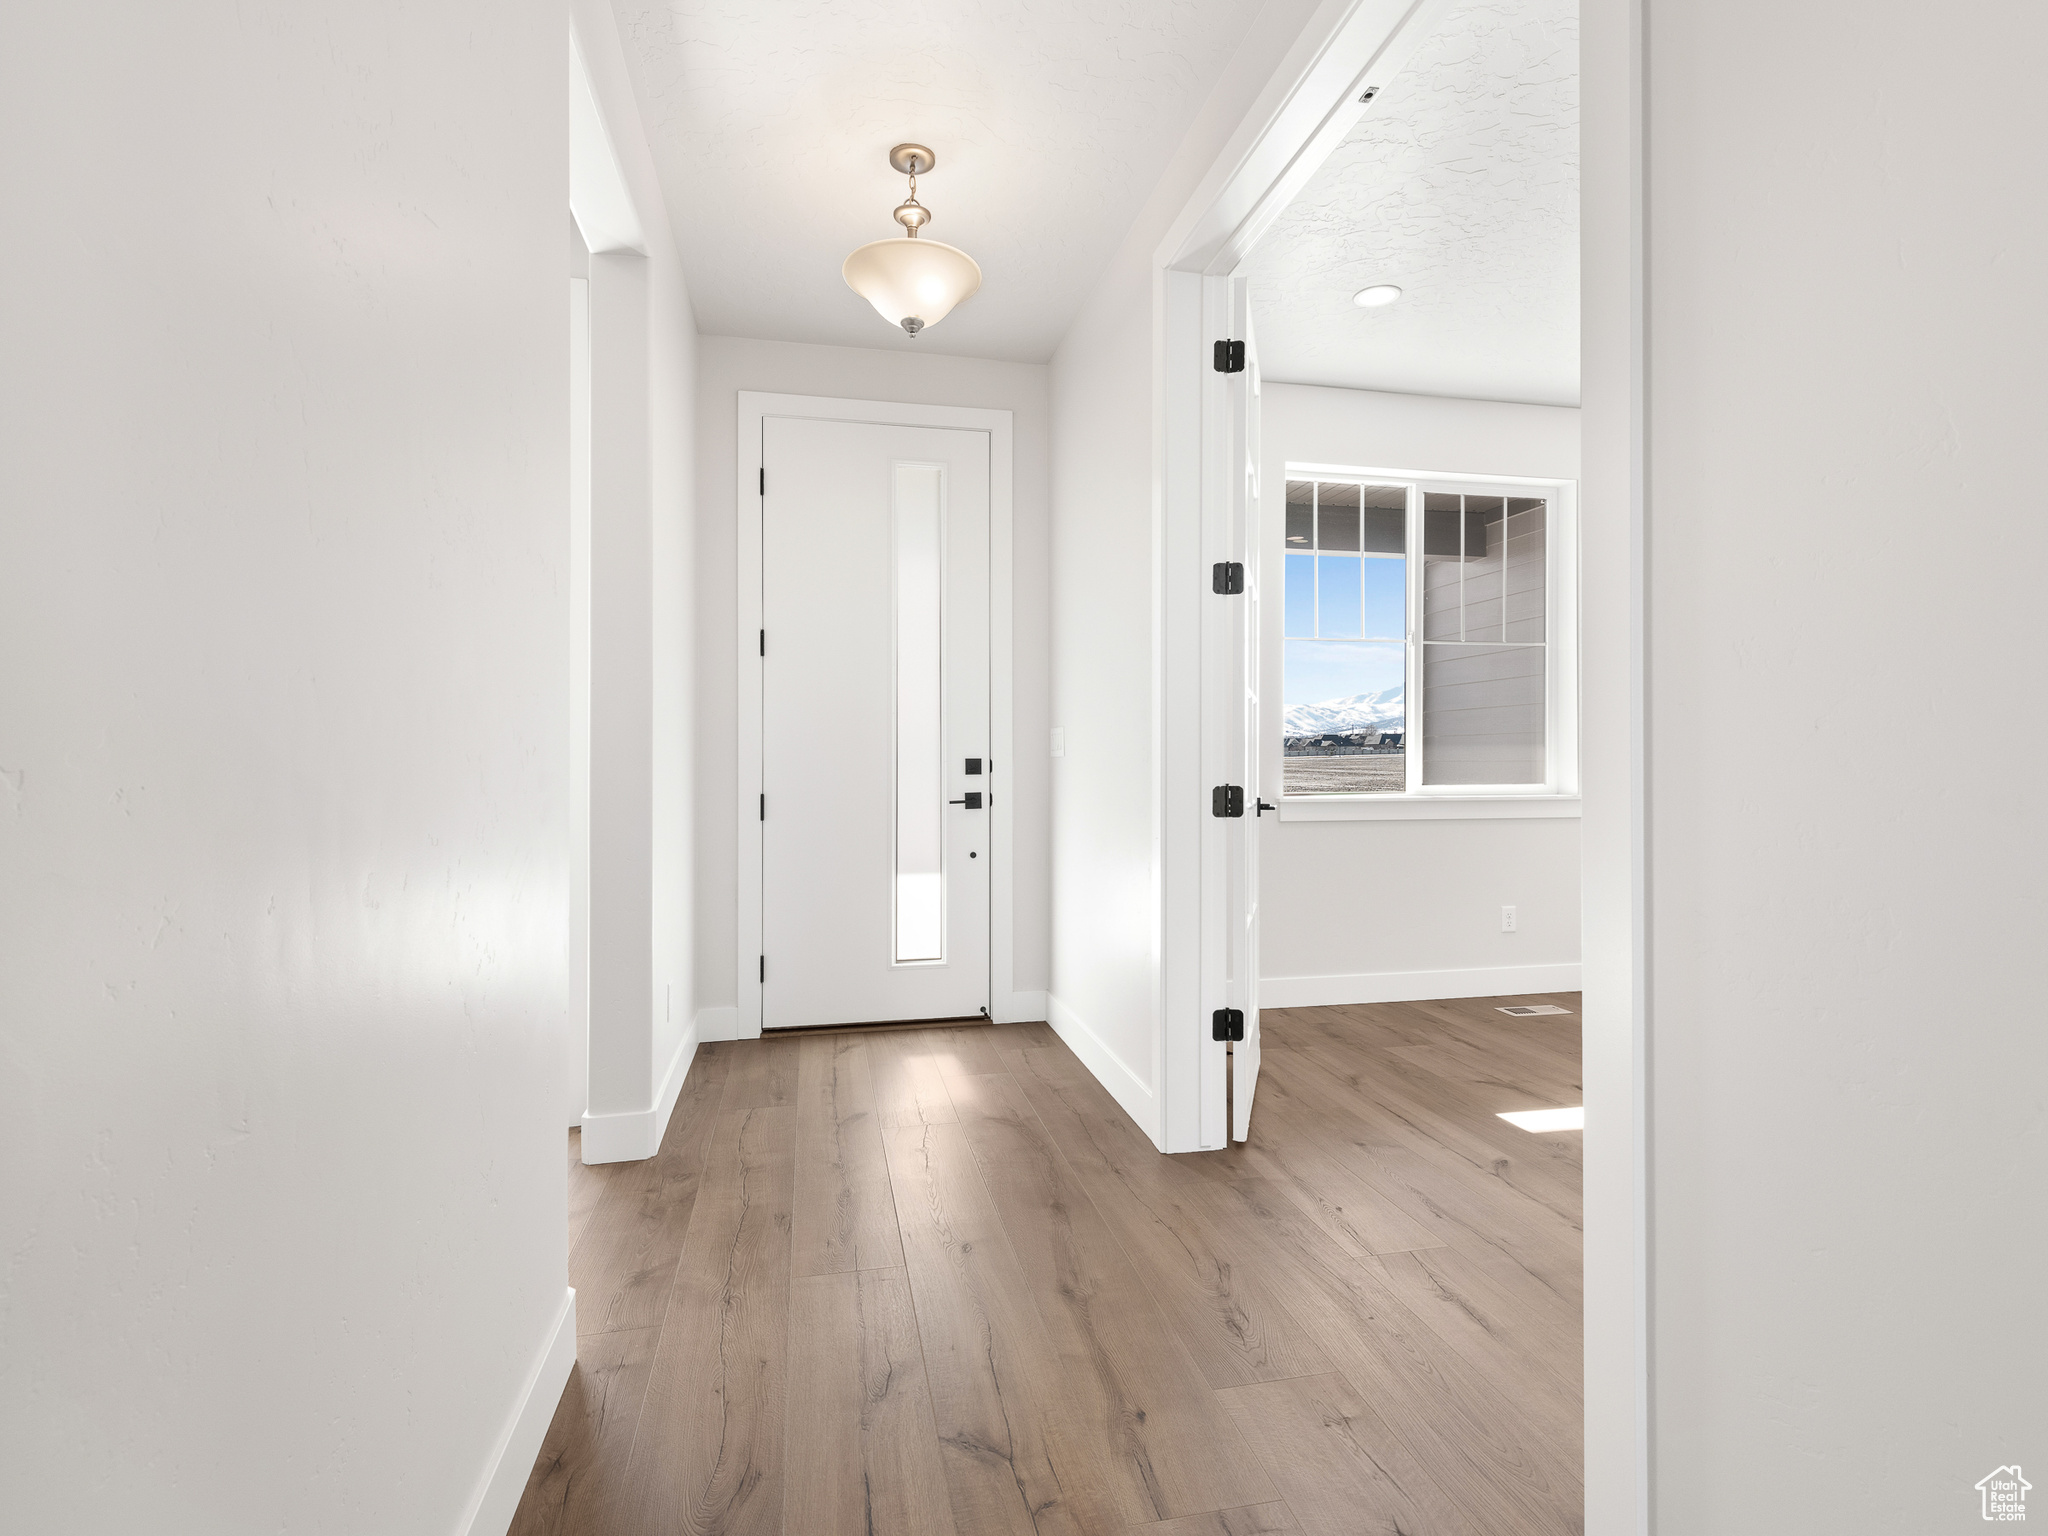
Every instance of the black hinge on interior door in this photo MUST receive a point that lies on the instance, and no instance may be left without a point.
(764, 967)
(764, 479)
(1226, 1024)
(1226, 800)
(764, 807)
(1226, 578)
(1230, 357)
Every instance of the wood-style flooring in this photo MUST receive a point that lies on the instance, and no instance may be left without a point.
(934, 1282)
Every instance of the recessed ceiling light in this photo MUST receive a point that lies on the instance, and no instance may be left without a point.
(1548, 1119)
(1375, 296)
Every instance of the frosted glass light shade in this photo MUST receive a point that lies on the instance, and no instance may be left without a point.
(912, 280)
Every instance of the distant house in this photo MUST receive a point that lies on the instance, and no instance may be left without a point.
(1341, 744)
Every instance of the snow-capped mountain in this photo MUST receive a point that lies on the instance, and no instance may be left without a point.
(1384, 710)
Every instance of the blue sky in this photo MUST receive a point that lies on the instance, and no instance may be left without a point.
(1317, 670)
(1359, 597)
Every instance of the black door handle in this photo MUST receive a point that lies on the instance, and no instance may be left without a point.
(1263, 807)
(972, 802)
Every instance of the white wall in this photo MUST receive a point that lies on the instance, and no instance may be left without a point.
(1381, 911)
(1350, 909)
(621, 704)
(727, 365)
(283, 767)
(1848, 1055)
(1106, 870)
(643, 1032)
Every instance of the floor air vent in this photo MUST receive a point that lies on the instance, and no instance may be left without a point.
(1530, 1010)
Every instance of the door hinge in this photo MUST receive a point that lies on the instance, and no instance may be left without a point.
(764, 967)
(1226, 578)
(764, 479)
(1230, 357)
(1226, 800)
(764, 642)
(1226, 1024)
(764, 807)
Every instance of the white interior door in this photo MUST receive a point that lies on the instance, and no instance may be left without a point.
(1230, 714)
(1244, 1054)
(876, 784)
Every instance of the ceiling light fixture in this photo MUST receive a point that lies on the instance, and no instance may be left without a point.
(912, 282)
(1376, 296)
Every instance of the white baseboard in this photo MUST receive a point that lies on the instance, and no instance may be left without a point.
(627, 1136)
(1009, 1008)
(1018, 1008)
(1415, 986)
(496, 1499)
(672, 1084)
(1124, 1085)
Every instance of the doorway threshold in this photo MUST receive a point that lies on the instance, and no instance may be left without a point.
(875, 1024)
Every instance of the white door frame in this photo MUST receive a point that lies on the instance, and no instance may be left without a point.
(1306, 109)
(754, 408)
(1311, 102)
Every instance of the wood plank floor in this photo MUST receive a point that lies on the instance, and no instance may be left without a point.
(934, 1282)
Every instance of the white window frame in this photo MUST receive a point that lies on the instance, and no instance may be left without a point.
(1558, 794)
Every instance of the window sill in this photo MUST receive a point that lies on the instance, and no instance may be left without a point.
(1424, 807)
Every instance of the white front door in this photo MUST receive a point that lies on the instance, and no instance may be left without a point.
(876, 784)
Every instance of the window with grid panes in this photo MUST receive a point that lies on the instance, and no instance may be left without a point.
(1417, 637)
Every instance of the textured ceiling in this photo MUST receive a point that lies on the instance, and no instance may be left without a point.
(1052, 121)
(1461, 185)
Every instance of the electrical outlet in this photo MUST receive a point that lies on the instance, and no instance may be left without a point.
(1507, 919)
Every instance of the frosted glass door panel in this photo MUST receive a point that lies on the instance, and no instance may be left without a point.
(920, 708)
